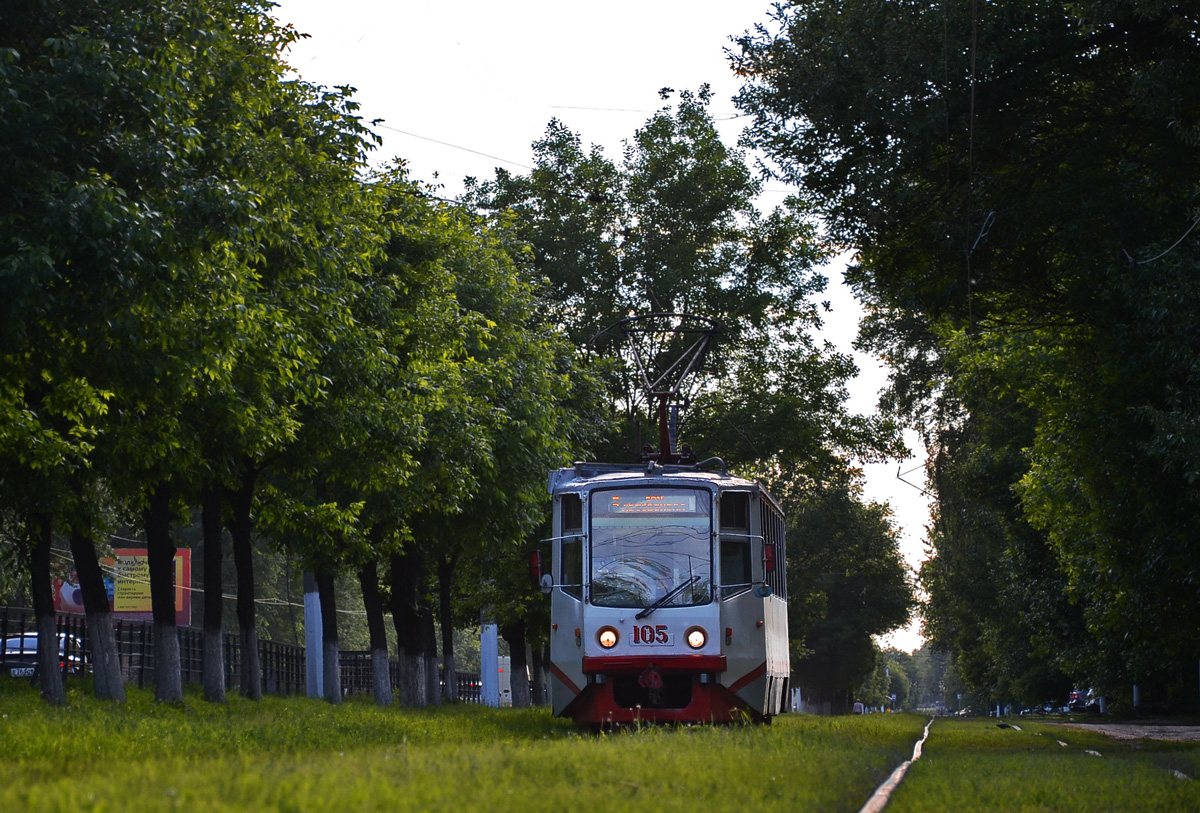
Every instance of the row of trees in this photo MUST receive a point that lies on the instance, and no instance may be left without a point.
(1021, 181)
(211, 303)
(216, 309)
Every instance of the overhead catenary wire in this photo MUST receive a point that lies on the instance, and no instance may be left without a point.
(453, 146)
(1171, 248)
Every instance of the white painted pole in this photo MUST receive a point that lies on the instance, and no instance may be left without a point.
(489, 666)
(314, 668)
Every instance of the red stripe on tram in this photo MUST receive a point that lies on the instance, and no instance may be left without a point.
(570, 684)
(748, 678)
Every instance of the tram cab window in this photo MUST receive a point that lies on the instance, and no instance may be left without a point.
(650, 544)
(570, 572)
(735, 543)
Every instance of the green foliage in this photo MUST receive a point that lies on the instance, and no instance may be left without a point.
(1020, 182)
(847, 582)
(894, 674)
(674, 229)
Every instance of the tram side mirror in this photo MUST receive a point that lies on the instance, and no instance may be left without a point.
(547, 583)
(535, 566)
(769, 557)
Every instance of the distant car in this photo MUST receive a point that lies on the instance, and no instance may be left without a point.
(1077, 700)
(20, 655)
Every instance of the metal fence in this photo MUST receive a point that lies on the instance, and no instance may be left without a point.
(283, 666)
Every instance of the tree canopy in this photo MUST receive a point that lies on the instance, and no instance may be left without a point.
(1020, 181)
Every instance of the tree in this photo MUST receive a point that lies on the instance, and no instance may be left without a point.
(102, 187)
(1048, 152)
(847, 583)
(674, 229)
(513, 423)
(890, 678)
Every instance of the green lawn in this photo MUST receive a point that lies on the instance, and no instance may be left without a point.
(296, 754)
(299, 754)
(975, 765)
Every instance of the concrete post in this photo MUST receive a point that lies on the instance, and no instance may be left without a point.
(489, 666)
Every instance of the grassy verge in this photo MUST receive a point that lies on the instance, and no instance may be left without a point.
(297, 754)
(975, 765)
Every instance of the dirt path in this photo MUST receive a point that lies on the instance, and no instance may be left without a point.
(1146, 729)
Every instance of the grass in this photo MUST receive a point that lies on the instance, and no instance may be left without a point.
(975, 765)
(295, 754)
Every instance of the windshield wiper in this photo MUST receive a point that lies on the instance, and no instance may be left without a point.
(678, 589)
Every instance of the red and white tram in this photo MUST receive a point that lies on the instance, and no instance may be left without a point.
(668, 596)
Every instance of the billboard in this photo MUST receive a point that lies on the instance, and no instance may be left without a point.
(127, 581)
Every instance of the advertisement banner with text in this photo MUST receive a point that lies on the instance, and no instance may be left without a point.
(127, 581)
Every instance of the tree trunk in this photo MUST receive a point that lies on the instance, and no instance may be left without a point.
(518, 672)
(433, 691)
(213, 649)
(240, 526)
(537, 675)
(329, 634)
(50, 677)
(381, 679)
(160, 555)
(407, 578)
(106, 662)
(446, 616)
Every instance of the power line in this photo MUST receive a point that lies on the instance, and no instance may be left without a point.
(453, 146)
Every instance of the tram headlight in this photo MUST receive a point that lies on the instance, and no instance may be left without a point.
(696, 637)
(608, 637)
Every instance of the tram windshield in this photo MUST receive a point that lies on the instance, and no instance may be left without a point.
(648, 542)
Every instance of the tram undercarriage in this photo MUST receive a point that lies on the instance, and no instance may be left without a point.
(645, 689)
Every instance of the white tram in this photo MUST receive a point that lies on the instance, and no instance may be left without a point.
(668, 596)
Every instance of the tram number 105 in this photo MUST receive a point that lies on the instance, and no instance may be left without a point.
(647, 634)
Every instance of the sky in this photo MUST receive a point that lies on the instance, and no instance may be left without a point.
(462, 88)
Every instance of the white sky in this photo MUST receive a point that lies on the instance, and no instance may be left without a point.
(464, 87)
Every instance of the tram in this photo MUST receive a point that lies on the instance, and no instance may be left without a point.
(668, 595)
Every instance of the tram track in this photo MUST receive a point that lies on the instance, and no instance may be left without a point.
(883, 793)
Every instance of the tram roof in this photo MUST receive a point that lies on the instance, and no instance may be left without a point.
(574, 477)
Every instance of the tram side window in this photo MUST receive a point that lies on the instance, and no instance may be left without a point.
(570, 574)
(773, 530)
(572, 514)
(735, 543)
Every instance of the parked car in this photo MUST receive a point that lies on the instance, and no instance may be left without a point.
(1077, 700)
(20, 654)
